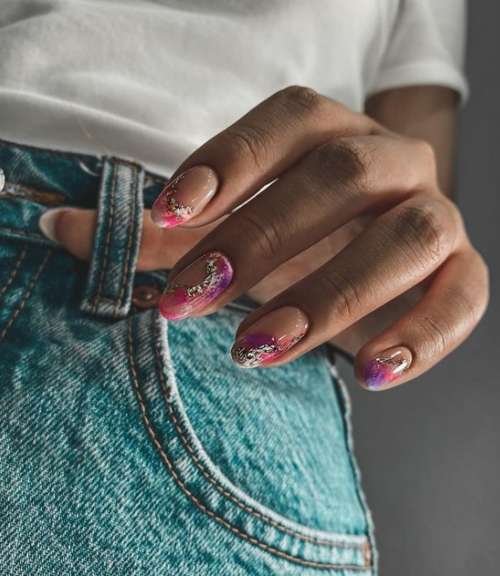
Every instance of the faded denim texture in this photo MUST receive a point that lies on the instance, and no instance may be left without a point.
(133, 445)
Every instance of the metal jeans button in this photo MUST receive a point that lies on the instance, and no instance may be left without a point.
(146, 296)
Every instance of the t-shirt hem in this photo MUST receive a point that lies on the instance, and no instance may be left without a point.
(435, 73)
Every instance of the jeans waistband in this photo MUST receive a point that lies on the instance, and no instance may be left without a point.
(35, 179)
(54, 177)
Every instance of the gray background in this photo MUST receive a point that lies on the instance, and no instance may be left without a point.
(430, 451)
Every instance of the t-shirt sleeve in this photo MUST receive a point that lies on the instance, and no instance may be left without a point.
(426, 46)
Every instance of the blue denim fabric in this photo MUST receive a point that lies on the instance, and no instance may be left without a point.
(133, 445)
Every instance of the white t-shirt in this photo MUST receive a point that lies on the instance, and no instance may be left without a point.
(151, 80)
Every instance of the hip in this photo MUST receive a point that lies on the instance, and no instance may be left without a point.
(134, 443)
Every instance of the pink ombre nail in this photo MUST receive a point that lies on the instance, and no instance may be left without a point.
(196, 286)
(387, 367)
(270, 337)
(184, 197)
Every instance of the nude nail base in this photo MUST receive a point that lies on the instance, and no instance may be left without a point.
(196, 286)
(386, 368)
(270, 337)
(260, 349)
(184, 196)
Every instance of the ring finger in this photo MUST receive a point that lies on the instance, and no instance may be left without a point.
(330, 186)
(397, 251)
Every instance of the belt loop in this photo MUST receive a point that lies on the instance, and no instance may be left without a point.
(108, 291)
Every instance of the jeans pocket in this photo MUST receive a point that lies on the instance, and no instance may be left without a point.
(182, 386)
(21, 266)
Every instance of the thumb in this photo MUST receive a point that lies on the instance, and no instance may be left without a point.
(74, 229)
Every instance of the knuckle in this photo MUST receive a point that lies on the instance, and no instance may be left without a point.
(343, 162)
(481, 284)
(343, 297)
(249, 142)
(425, 229)
(301, 98)
(459, 309)
(434, 335)
(485, 290)
(262, 236)
(466, 307)
(453, 216)
(484, 274)
(427, 154)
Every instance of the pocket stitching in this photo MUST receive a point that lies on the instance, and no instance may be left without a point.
(26, 295)
(209, 477)
(165, 458)
(14, 272)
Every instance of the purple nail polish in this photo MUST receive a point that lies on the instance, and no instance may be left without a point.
(270, 337)
(387, 367)
(196, 286)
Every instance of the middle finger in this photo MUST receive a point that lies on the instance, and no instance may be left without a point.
(326, 189)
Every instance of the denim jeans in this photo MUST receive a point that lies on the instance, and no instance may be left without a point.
(133, 445)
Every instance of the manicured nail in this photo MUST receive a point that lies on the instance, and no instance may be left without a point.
(270, 337)
(196, 286)
(47, 222)
(387, 367)
(184, 197)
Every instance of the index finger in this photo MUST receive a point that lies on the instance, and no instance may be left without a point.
(241, 159)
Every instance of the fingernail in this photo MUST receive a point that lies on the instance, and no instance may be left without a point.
(270, 337)
(196, 286)
(47, 223)
(387, 367)
(184, 197)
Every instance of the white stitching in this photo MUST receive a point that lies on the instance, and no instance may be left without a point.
(27, 294)
(13, 274)
(200, 465)
(197, 502)
(131, 221)
(109, 223)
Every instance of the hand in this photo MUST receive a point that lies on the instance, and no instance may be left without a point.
(351, 222)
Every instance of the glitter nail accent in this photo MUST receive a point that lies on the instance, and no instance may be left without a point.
(260, 349)
(386, 368)
(181, 299)
(270, 337)
(184, 196)
(168, 211)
